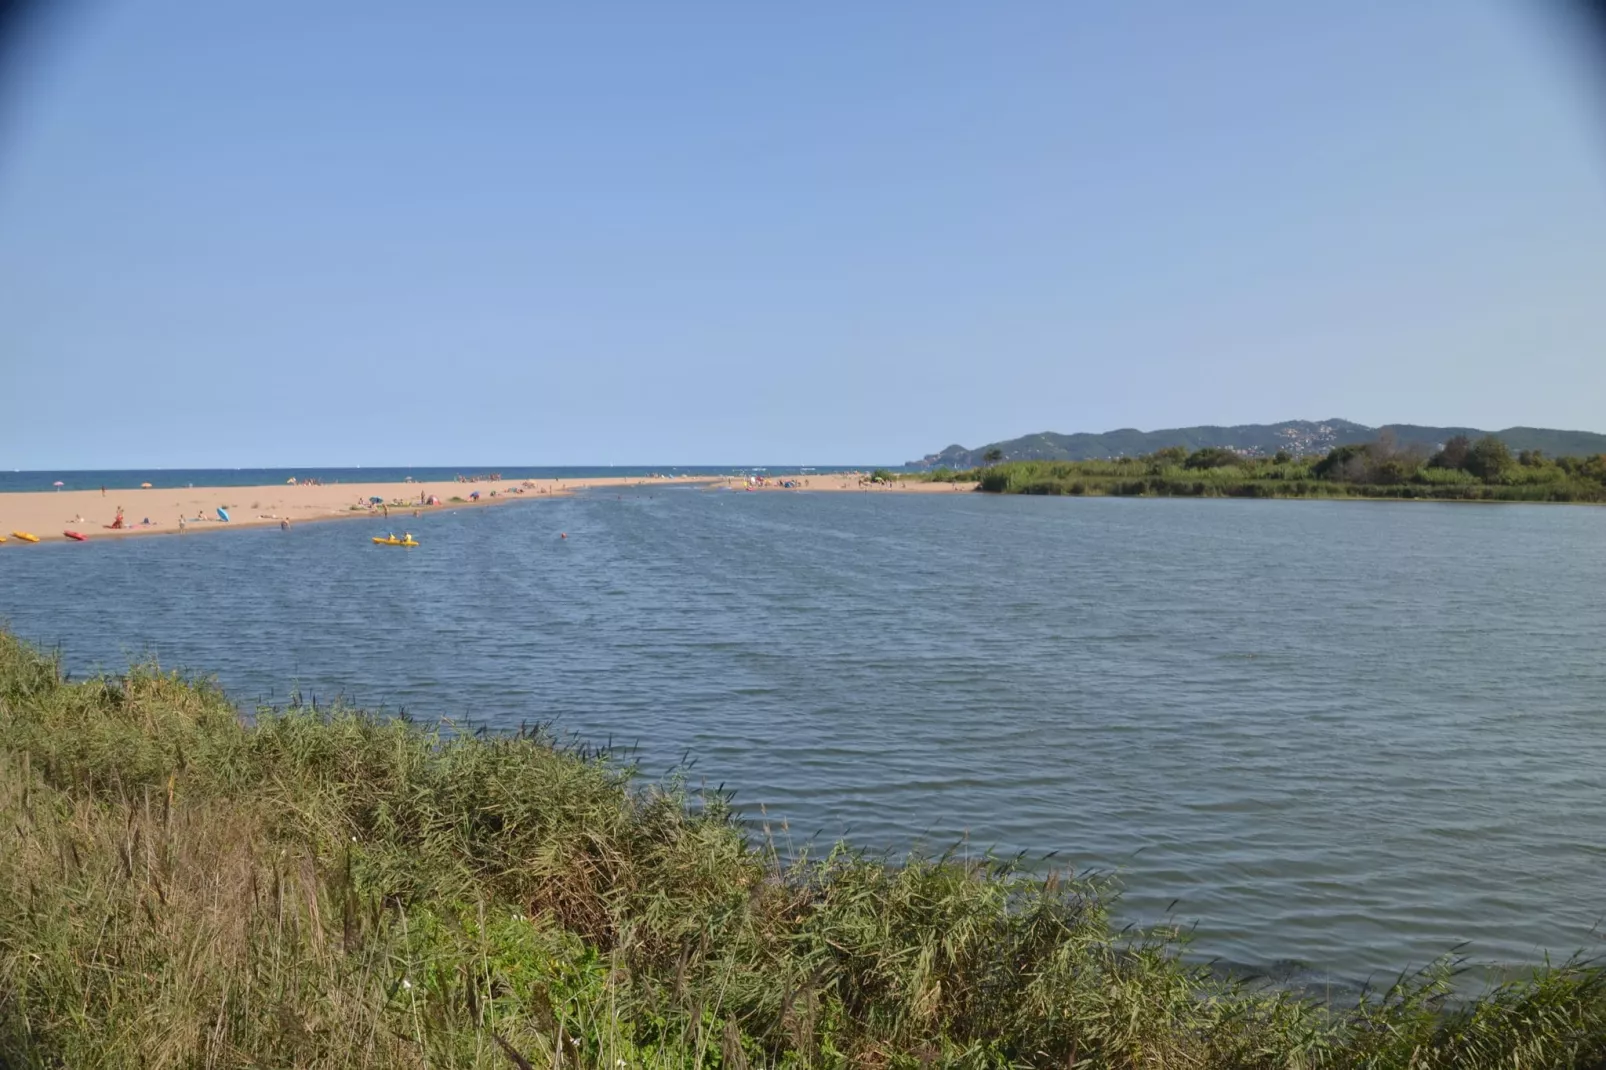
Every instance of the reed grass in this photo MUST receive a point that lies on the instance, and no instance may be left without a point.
(184, 887)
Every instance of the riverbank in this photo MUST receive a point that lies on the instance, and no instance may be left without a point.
(153, 511)
(322, 889)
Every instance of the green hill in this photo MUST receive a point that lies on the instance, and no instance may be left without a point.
(1298, 437)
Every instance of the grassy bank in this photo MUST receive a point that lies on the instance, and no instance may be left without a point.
(181, 888)
(1458, 473)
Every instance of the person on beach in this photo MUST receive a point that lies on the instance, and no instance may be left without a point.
(118, 522)
(181, 522)
(284, 525)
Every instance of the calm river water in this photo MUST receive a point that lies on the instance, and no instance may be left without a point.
(1350, 735)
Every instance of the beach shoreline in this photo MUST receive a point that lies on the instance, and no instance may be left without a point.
(47, 514)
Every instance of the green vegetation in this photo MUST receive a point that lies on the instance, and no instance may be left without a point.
(1463, 470)
(182, 888)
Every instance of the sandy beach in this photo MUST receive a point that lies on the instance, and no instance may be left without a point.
(157, 510)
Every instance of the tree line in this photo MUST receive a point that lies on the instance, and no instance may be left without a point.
(1484, 469)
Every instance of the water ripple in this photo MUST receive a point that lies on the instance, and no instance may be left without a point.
(1344, 737)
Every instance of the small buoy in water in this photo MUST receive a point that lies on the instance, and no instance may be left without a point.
(563, 534)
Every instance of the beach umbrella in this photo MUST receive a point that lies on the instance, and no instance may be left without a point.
(376, 501)
(147, 486)
(222, 513)
(58, 484)
(291, 481)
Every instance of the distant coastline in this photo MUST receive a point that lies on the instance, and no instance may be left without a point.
(1459, 471)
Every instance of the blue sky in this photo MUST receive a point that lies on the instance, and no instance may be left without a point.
(410, 233)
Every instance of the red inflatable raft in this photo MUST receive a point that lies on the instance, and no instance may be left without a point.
(73, 535)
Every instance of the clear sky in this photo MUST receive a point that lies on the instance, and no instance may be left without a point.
(365, 233)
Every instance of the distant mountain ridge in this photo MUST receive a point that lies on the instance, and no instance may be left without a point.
(1295, 436)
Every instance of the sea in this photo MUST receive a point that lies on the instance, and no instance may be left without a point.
(132, 478)
(1334, 740)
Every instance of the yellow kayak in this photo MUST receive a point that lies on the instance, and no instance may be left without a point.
(395, 542)
(25, 537)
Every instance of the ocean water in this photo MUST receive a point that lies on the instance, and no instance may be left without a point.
(1343, 738)
(130, 478)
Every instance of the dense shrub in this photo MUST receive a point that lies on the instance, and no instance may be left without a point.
(1488, 458)
(1211, 457)
(1453, 454)
(1367, 470)
(1343, 463)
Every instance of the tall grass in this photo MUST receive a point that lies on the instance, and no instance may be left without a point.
(180, 887)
